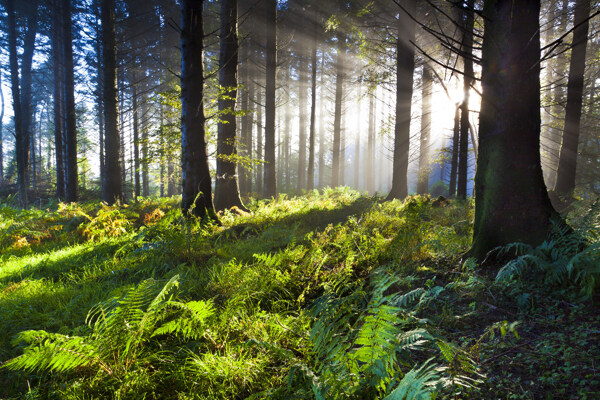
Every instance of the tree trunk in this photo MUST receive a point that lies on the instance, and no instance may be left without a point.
(112, 137)
(302, 96)
(57, 59)
(357, 164)
(337, 114)
(567, 164)
(259, 141)
(99, 97)
(423, 181)
(21, 91)
(245, 128)
(197, 191)
(454, 159)
(270, 184)
(405, 65)
(310, 183)
(511, 203)
(136, 134)
(227, 193)
(322, 112)
(467, 56)
(370, 169)
(72, 174)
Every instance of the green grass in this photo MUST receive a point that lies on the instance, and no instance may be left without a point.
(405, 312)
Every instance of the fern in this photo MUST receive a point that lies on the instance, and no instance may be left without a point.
(567, 257)
(121, 331)
(364, 339)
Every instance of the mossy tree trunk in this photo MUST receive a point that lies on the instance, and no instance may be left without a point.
(512, 203)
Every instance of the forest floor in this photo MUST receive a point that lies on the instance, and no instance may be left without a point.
(333, 294)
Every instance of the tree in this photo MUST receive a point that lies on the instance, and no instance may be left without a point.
(467, 56)
(511, 203)
(196, 198)
(427, 83)
(338, 166)
(310, 183)
(57, 57)
(72, 175)
(227, 194)
(112, 190)
(405, 66)
(567, 164)
(21, 89)
(270, 182)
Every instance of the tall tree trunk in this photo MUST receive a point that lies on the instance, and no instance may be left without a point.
(136, 134)
(310, 183)
(245, 128)
(322, 112)
(57, 59)
(99, 97)
(405, 65)
(423, 181)
(270, 184)
(145, 161)
(197, 191)
(337, 114)
(511, 203)
(72, 174)
(227, 193)
(112, 141)
(259, 141)
(567, 164)
(454, 159)
(357, 163)
(302, 96)
(467, 56)
(21, 91)
(370, 169)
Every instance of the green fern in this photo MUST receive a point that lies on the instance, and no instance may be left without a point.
(567, 257)
(122, 329)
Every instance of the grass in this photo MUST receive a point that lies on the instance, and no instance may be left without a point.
(264, 273)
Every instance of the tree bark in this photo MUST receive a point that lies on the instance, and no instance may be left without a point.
(511, 203)
(227, 193)
(112, 137)
(21, 91)
(72, 174)
(423, 179)
(370, 170)
(302, 96)
(57, 59)
(197, 191)
(337, 114)
(310, 183)
(405, 65)
(270, 183)
(567, 164)
(467, 56)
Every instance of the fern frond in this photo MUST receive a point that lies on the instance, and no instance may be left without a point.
(418, 384)
(54, 352)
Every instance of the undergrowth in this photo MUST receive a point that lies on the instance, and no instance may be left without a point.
(331, 295)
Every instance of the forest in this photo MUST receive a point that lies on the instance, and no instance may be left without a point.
(299, 199)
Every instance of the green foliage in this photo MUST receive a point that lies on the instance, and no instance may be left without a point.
(122, 331)
(569, 257)
(328, 295)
